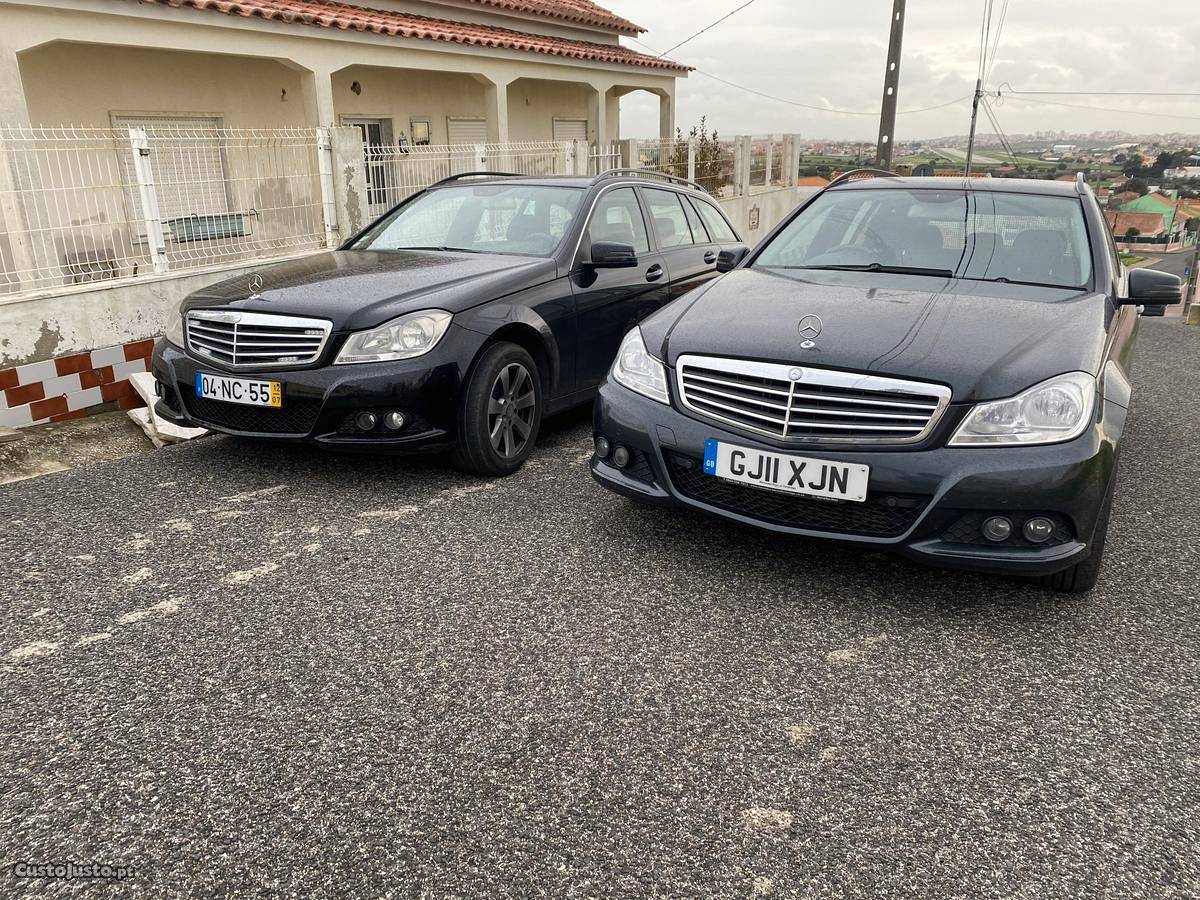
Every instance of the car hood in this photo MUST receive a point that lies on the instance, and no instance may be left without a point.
(984, 340)
(358, 289)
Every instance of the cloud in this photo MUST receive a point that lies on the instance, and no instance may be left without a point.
(826, 54)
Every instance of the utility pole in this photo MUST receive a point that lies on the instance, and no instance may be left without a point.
(891, 90)
(974, 116)
(1192, 283)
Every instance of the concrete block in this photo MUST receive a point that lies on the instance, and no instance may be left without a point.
(1194, 314)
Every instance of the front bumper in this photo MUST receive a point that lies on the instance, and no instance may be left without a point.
(922, 501)
(320, 403)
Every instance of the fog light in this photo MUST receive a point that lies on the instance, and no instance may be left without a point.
(366, 421)
(1038, 530)
(997, 529)
(621, 457)
(602, 447)
(394, 421)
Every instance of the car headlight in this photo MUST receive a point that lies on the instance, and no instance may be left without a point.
(410, 335)
(174, 331)
(637, 370)
(1056, 410)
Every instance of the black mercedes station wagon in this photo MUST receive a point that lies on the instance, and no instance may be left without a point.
(940, 366)
(456, 321)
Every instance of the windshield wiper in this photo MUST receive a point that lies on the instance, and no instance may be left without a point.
(877, 267)
(1003, 280)
(443, 249)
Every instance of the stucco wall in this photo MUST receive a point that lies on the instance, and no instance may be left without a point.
(402, 95)
(81, 84)
(534, 104)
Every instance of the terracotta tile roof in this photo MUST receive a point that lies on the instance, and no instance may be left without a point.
(325, 14)
(1147, 224)
(811, 181)
(583, 11)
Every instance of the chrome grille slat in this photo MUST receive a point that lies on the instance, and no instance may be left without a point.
(821, 406)
(241, 340)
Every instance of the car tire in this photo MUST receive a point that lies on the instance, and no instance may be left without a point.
(500, 412)
(1082, 577)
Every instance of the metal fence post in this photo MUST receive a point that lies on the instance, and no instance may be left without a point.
(691, 159)
(481, 160)
(139, 143)
(770, 155)
(566, 157)
(328, 193)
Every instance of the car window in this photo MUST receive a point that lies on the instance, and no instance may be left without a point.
(512, 219)
(668, 218)
(717, 227)
(617, 218)
(699, 234)
(980, 235)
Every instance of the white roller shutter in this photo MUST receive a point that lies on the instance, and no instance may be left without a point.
(467, 131)
(189, 174)
(570, 130)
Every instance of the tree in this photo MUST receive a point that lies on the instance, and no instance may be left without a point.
(1131, 232)
(1133, 166)
(710, 159)
(1137, 186)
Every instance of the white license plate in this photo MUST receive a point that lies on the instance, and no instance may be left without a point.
(784, 472)
(239, 390)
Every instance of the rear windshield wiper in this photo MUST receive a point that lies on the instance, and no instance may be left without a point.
(877, 267)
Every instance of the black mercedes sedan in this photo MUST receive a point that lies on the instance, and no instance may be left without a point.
(939, 366)
(456, 321)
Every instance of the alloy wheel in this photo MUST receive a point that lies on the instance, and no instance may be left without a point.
(511, 410)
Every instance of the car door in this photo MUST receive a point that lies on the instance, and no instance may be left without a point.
(608, 302)
(689, 253)
(715, 223)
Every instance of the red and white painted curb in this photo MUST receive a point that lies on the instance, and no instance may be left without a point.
(70, 387)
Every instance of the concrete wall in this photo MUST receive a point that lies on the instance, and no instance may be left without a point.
(771, 207)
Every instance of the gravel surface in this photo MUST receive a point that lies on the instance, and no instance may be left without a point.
(244, 669)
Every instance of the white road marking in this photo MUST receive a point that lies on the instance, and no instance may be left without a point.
(250, 574)
(38, 613)
(400, 512)
(165, 608)
(88, 640)
(800, 734)
(178, 525)
(37, 648)
(86, 557)
(765, 820)
(255, 495)
(844, 657)
(137, 577)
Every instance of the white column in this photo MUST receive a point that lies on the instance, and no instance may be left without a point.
(318, 96)
(666, 115)
(598, 114)
(496, 103)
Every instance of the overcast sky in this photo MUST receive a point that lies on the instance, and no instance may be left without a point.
(831, 54)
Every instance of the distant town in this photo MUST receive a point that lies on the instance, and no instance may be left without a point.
(1149, 184)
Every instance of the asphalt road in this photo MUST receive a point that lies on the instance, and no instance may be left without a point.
(245, 670)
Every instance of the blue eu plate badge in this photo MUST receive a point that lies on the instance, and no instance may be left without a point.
(710, 457)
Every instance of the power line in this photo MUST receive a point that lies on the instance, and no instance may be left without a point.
(996, 43)
(1130, 112)
(824, 109)
(706, 27)
(1013, 90)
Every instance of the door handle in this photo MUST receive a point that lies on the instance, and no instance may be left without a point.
(710, 257)
(654, 273)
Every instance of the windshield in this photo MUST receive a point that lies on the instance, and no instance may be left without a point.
(982, 236)
(515, 219)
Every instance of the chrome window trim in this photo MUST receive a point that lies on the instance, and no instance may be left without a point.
(242, 319)
(877, 384)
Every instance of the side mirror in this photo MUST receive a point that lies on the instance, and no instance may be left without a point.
(728, 260)
(606, 255)
(1149, 287)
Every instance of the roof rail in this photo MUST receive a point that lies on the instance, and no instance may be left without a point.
(657, 173)
(855, 174)
(461, 175)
